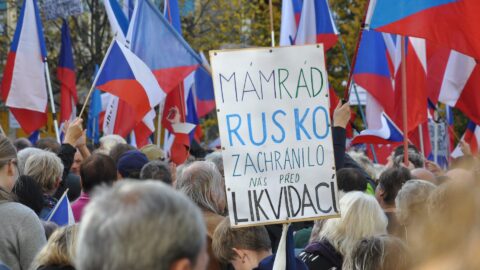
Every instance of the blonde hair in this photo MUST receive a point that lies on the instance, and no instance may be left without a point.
(60, 248)
(46, 168)
(361, 216)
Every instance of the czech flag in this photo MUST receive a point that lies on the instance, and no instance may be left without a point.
(118, 21)
(316, 25)
(124, 75)
(24, 88)
(62, 214)
(453, 23)
(291, 12)
(472, 137)
(171, 59)
(67, 78)
(386, 134)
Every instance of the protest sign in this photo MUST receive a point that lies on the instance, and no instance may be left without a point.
(275, 130)
(53, 9)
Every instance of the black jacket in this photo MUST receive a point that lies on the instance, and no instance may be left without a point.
(67, 154)
(321, 256)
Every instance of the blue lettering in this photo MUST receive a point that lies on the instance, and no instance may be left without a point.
(299, 125)
(234, 130)
(279, 126)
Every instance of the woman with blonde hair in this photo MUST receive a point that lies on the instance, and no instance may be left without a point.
(361, 216)
(59, 253)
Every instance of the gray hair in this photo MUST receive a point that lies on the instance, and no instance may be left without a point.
(157, 170)
(139, 225)
(24, 154)
(203, 184)
(414, 157)
(361, 217)
(107, 142)
(411, 200)
(46, 168)
(217, 159)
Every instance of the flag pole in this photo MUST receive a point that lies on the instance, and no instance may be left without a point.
(52, 102)
(95, 80)
(159, 122)
(272, 30)
(420, 135)
(404, 103)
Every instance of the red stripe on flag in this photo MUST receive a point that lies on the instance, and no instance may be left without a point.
(169, 78)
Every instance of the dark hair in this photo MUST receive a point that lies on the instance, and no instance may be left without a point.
(49, 144)
(29, 193)
(118, 150)
(157, 170)
(391, 181)
(21, 143)
(350, 179)
(399, 150)
(97, 169)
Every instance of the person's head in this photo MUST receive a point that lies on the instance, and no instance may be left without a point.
(48, 144)
(415, 158)
(364, 162)
(361, 216)
(350, 179)
(153, 152)
(96, 170)
(131, 163)
(399, 150)
(389, 183)
(157, 170)
(461, 175)
(107, 142)
(23, 155)
(424, 174)
(77, 161)
(47, 169)
(244, 248)
(217, 159)
(60, 249)
(29, 193)
(141, 225)
(411, 201)
(118, 150)
(380, 252)
(203, 184)
(8, 167)
(21, 143)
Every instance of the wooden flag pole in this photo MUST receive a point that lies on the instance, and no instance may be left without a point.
(272, 30)
(52, 102)
(404, 103)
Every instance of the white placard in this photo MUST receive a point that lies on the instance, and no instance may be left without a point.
(53, 9)
(273, 116)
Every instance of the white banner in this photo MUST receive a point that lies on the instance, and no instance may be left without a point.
(53, 9)
(273, 116)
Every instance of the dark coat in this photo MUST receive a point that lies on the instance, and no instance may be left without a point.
(56, 267)
(321, 256)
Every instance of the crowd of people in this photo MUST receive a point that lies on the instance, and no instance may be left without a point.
(135, 210)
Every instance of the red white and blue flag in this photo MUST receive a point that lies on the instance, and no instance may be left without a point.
(66, 76)
(62, 214)
(316, 25)
(24, 88)
(453, 23)
(472, 137)
(291, 12)
(126, 76)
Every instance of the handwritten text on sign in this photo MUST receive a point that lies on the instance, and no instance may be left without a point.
(273, 115)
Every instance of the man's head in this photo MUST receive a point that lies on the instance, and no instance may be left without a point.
(350, 179)
(49, 144)
(96, 170)
(131, 163)
(141, 225)
(202, 183)
(77, 161)
(389, 184)
(157, 170)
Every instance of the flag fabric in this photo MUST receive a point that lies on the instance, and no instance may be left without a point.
(454, 79)
(170, 63)
(472, 137)
(316, 25)
(126, 76)
(62, 214)
(291, 12)
(66, 76)
(387, 133)
(118, 20)
(172, 13)
(205, 97)
(453, 23)
(95, 109)
(24, 88)
(127, 7)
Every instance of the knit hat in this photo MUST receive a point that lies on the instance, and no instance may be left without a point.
(131, 163)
